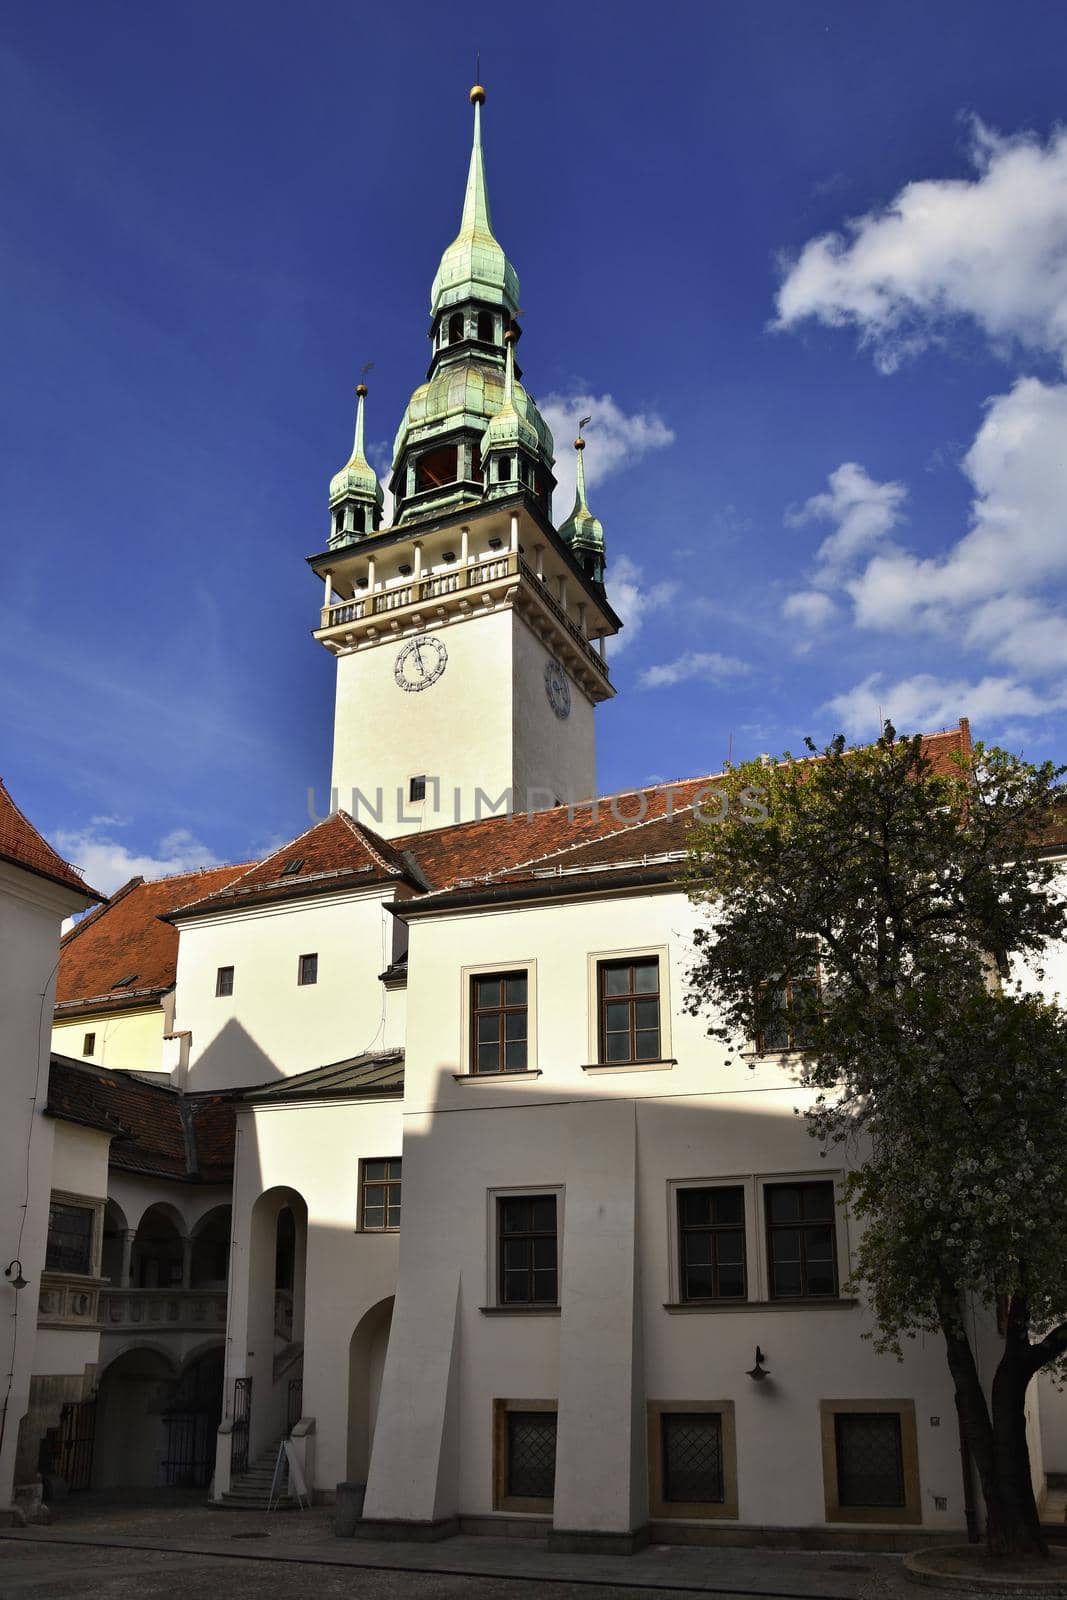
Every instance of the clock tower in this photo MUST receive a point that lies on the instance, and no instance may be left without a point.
(469, 634)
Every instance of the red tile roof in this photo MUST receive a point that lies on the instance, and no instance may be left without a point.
(627, 828)
(158, 1131)
(21, 844)
(335, 854)
(125, 938)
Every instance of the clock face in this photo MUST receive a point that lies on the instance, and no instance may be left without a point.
(419, 663)
(557, 689)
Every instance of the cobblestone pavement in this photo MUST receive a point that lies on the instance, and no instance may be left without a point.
(162, 1546)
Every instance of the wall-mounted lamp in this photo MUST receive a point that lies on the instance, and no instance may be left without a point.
(404, 570)
(13, 1274)
(449, 556)
(759, 1371)
(495, 544)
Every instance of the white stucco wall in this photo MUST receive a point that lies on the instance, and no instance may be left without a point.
(613, 1144)
(271, 1026)
(484, 724)
(315, 1150)
(31, 912)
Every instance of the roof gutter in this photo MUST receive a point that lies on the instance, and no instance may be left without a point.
(541, 889)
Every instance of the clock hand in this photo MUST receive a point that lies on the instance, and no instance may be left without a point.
(418, 658)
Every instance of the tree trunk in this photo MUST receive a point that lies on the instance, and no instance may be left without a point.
(997, 1441)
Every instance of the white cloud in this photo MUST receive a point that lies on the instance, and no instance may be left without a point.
(861, 511)
(992, 249)
(1018, 536)
(706, 664)
(632, 600)
(616, 439)
(925, 702)
(107, 863)
(810, 607)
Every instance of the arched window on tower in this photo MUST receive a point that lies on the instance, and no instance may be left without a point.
(435, 468)
(359, 519)
(339, 521)
(455, 327)
(503, 469)
(485, 327)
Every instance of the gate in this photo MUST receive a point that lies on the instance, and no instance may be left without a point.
(242, 1411)
(67, 1450)
(190, 1421)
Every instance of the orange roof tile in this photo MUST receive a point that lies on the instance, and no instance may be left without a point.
(124, 938)
(335, 854)
(22, 844)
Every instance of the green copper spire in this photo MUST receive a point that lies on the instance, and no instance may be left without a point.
(355, 493)
(582, 531)
(474, 267)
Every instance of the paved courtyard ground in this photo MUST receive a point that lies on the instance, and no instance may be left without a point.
(174, 1545)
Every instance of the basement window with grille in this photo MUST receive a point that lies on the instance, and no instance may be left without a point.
(524, 1455)
(692, 1458)
(870, 1461)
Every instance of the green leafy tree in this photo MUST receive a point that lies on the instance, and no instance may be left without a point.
(884, 901)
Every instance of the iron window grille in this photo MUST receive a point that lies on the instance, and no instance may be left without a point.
(870, 1458)
(70, 1238)
(528, 1247)
(692, 1457)
(380, 1196)
(629, 1009)
(801, 1240)
(308, 970)
(224, 981)
(711, 1236)
(530, 1460)
(500, 1022)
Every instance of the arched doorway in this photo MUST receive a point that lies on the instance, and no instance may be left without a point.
(277, 1262)
(115, 1230)
(157, 1250)
(366, 1362)
(130, 1405)
(211, 1250)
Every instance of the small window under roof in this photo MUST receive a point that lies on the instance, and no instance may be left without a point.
(292, 866)
(124, 983)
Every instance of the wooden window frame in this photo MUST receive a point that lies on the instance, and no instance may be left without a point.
(220, 992)
(89, 1044)
(502, 1010)
(665, 1510)
(614, 964)
(788, 1014)
(301, 981)
(416, 788)
(800, 1224)
(388, 1182)
(910, 1513)
(502, 1500)
(714, 1229)
(531, 1234)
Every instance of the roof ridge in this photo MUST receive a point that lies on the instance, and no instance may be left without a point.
(113, 1074)
(369, 839)
(98, 911)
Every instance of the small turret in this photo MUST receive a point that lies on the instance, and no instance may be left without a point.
(355, 493)
(512, 445)
(582, 531)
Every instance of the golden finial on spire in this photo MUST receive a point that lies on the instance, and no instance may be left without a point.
(477, 95)
(579, 443)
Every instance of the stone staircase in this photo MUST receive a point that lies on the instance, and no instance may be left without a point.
(250, 1490)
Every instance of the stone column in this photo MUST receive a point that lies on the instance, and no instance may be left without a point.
(327, 594)
(562, 582)
(418, 560)
(514, 534)
(187, 1262)
(370, 574)
(464, 546)
(128, 1237)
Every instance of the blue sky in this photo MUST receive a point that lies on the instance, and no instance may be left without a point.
(831, 472)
